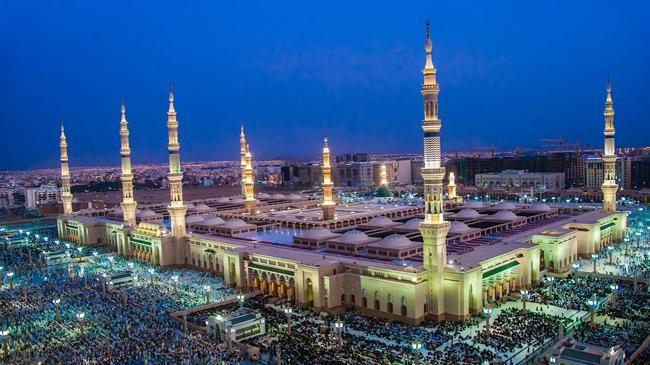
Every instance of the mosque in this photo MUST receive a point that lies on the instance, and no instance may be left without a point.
(436, 258)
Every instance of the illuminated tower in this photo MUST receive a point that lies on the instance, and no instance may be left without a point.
(249, 195)
(66, 195)
(176, 207)
(434, 228)
(451, 187)
(382, 175)
(242, 155)
(609, 156)
(128, 201)
(328, 203)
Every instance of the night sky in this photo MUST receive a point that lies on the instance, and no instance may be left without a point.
(509, 75)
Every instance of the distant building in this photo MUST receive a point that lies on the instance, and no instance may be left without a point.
(404, 172)
(41, 195)
(352, 157)
(300, 175)
(416, 172)
(576, 353)
(521, 179)
(8, 198)
(594, 172)
(640, 173)
(391, 172)
(354, 174)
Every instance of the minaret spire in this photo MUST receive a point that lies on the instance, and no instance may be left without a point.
(66, 194)
(176, 207)
(451, 186)
(242, 156)
(383, 181)
(128, 200)
(609, 186)
(328, 203)
(434, 228)
(249, 194)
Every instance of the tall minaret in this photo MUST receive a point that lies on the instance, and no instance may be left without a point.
(434, 228)
(176, 207)
(609, 156)
(128, 201)
(451, 186)
(242, 156)
(66, 195)
(382, 175)
(328, 203)
(249, 195)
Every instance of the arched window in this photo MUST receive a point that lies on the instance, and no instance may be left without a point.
(364, 302)
(342, 298)
(352, 300)
(390, 307)
(377, 304)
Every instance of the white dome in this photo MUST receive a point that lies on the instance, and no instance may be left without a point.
(202, 208)
(194, 219)
(263, 196)
(474, 204)
(413, 223)
(278, 196)
(189, 205)
(147, 213)
(395, 241)
(237, 200)
(213, 221)
(294, 197)
(505, 206)
(235, 223)
(458, 228)
(539, 207)
(467, 213)
(222, 200)
(380, 222)
(75, 200)
(353, 236)
(318, 233)
(504, 215)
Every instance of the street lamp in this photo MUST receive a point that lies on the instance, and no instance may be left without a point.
(5, 340)
(487, 312)
(524, 296)
(175, 280)
(550, 280)
(56, 302)
(151, 271)
(594, 258)
(592, 303)
(288, 312)
(416, 346)
(131, 264)
(339, 327)
(627, 245)
(207, 293)
(614, 288)
(110, 261)
(10, 275)
(610, 251)
(80, 318)
(241, 298)
(575, 267)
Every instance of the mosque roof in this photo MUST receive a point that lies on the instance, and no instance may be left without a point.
(234, 223)
(457, 227)
(539, 207)
(505, 205)
(396, 241)
(353, 236)
(380, 222)
(202, 208)
(278, 196)
(467, 213)
(412, 224)
(194, 218)
(213, 221)
(147, 213)
(473, 204)
(319, 233)
(504, 215)
(222, 200)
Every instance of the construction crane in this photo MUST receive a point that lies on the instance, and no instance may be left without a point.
(491, 148)
(519, 150)
(554, 142)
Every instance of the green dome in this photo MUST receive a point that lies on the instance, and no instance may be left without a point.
(384, 192)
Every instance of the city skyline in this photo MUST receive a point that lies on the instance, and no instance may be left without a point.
(349, 76)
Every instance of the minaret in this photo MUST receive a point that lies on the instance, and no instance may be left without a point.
(242, 155)
(382, 175)
(249, 195)
(434, 228)
(66, 195)
(328, 203)
(128, 201)
(451, 186)
(176, 207)
(609, 156)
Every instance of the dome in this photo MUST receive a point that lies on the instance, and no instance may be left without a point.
(75, 200)
(473, 204)
(237, 200)
(318, 233)
(504, 215)
(194, 219)
(222, 200)
(395, 241)
(189, 205)
(213, 221)
(147, 213)
(294, 197)
(202, 208)
(539, 207)
(278, 196)
(467, 213)
(505, 206)
(380, 222)
(412, 223)
(263, 196)
(235, 223)
(384, 192)
(458, 228)
(353, 236)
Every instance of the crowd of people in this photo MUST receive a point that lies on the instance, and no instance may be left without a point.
(628, 334)
(571, 292)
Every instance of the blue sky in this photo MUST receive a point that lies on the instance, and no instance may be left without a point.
(510, 73)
